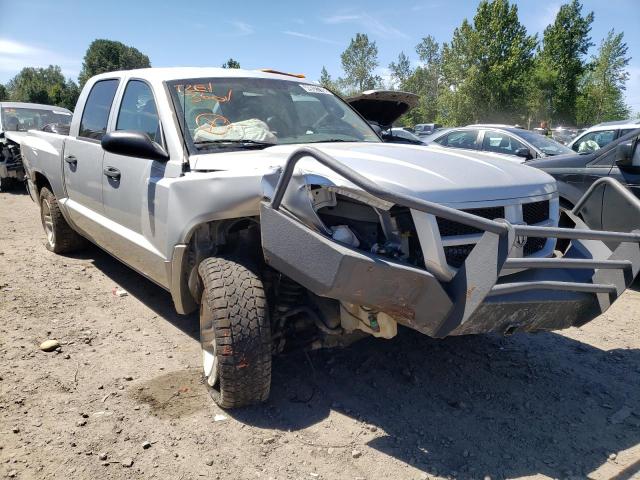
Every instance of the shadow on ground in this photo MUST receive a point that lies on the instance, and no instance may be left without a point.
(465, 407)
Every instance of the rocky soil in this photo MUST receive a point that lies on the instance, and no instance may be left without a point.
(121, 397)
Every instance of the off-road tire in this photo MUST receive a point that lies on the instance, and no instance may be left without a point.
(61, 238)
(234, 333)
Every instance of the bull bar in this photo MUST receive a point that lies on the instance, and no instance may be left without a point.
(540, 294)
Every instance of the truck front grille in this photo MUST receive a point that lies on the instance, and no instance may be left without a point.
(449, 228)
(535, 212)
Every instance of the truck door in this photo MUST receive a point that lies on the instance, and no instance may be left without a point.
(82, 166)
(612, 204)
(129, 185)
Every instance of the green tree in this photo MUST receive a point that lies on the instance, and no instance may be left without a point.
(486, 66)
(231, 63)
(359, 62)
(43, 85)
(108, 56)
(328, 82)
(3, 93)
(401, 71)
(565, 43)
(540, 92)
(602, 91)
(425, 81)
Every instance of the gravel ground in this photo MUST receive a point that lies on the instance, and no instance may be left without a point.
(123, 398)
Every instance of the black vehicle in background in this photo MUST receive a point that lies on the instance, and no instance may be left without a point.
(575, 173)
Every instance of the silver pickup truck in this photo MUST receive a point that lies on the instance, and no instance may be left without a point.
(269, 204)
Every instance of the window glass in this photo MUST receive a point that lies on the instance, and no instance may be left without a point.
(605, 159)
(96, 110)
(460, 139)
(624, 131)
(138, 111)
(218, 112)
(500, 143)
(23, 119)
(593, 141)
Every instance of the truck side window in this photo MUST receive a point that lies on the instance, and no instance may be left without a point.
(138, 111)
(96, 111)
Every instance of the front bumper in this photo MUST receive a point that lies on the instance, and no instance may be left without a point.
(490, 292)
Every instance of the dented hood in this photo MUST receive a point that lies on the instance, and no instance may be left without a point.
(448, 177)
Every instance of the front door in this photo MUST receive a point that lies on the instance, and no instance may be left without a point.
(82, 165)
(129, 186)
(613, 205)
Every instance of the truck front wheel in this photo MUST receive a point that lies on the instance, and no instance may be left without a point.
(61, 238)
(235, 334)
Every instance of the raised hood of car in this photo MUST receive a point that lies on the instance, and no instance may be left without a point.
(383, 106)
(428, 173)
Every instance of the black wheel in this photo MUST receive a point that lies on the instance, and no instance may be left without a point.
(61, 238)
(235, 334)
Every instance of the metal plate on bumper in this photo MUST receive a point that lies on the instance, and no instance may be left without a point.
(414, 297)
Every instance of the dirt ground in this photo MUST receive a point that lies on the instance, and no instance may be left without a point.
(123, 398)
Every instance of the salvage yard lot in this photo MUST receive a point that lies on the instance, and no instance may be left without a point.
(123, 398)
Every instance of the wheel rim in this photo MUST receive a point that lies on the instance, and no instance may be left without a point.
(47, 222)
(210, 362)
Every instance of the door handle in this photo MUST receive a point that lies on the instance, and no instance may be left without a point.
(71, 160)
(112, 172)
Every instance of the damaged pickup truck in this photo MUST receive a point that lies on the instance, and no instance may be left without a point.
(15, 119)
(273, 207)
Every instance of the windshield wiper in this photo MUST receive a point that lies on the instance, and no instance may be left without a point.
(328, 140)
(246, 143)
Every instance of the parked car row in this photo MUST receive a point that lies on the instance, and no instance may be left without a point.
(286, 219)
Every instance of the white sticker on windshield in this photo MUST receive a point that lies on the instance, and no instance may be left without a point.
(314, 88)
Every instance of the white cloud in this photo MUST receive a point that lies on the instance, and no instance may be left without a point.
(310, 37)
(368, 22)
(242, 28)
(547, 16)
(14, 56)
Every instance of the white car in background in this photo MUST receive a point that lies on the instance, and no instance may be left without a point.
(602, 134)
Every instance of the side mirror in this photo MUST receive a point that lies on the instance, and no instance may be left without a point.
(624, 154)
(133, 144)
(524, 153)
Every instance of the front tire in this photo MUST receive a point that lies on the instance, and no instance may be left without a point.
(235, 334)
(61, 238)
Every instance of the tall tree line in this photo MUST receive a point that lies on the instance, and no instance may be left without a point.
(492, 70)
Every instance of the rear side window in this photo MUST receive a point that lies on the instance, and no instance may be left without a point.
(96, 110)
(499, 142)
(138, 111)
(460, 139)
(590, 142)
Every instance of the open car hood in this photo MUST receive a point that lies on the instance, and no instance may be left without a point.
(383, 106)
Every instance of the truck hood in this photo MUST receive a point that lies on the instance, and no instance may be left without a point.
(424, 172)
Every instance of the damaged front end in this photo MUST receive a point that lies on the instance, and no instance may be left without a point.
(355, 242)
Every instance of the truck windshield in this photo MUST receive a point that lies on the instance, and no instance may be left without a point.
(23, 119)
(219, 112)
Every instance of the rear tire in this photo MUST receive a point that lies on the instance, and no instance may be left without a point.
(235, 334)
(61, 238)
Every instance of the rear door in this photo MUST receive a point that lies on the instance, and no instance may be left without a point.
(129, 184)
(82, 166)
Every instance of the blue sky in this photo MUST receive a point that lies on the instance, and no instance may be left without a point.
(294, 36)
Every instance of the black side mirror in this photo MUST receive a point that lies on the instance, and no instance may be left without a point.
(133, 144)
(524, 153)
(624, 154)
